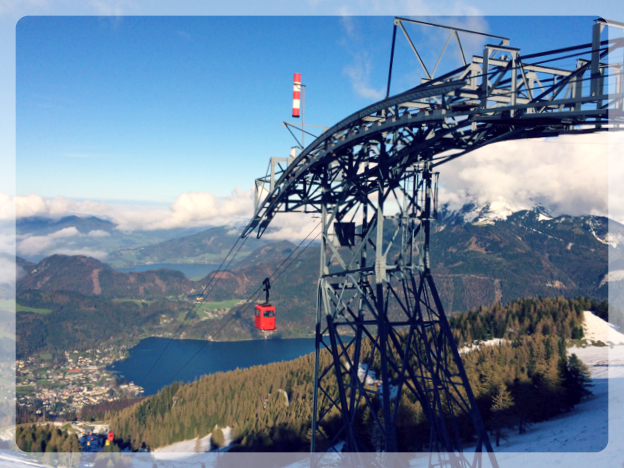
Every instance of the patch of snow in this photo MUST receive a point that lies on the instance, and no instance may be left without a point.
(338, 447)
(610, 239)
(484, 222)
(542, 233)
(497, 210)
(394, 391)
(283, 392)
(596, 329)
(189, 448)
(9, 458)
(478, 345)
(569, 246)
(556, 284)
(365, 373)
(542, 217)
(603, 362)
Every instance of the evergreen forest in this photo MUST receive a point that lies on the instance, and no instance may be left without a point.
(524, 379)
(47, 438)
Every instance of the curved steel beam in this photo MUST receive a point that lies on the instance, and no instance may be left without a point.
(453, 113)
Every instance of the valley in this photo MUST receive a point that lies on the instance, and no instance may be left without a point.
(478, 263)
(86, 307)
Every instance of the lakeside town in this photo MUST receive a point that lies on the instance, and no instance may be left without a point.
(65, 386)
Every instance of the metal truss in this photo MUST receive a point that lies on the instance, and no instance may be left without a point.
(372, 179)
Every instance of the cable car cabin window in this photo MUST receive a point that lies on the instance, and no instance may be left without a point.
(257, 312)
(269, 313)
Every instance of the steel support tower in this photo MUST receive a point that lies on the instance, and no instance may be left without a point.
(382, 336)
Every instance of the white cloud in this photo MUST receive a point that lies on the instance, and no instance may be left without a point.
(99, 254)
(294, 227)
(65, 232)
(190, 209)
(98, 233)
(359, 72)
(7, 242)
(616, 176)
(7, 271)
(58, 242)
(568, 174)
(35, 245)
(361, 67)
(35, 205)
(346, 21)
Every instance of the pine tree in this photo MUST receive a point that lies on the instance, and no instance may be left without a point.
(501, 406)
(576, 381)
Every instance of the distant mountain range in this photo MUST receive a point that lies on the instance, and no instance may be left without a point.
(88, 276)
(209, 246)
(41, 226)
(39, 237)
(479, 256)
(489, 259)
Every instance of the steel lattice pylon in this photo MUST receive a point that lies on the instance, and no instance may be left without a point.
(385, 314)
(372, 179)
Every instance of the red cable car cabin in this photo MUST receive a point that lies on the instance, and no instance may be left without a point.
(265, 317)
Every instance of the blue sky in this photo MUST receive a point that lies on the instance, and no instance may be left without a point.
(142, 109)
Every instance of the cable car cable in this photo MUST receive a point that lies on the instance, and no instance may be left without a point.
(236, 313)
(257, 292)
(212, 281)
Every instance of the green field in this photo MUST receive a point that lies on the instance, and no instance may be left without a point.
(21, 308)
(136, 301)
(201, 313)
(45, 356)
(24, 390)
(218, 305)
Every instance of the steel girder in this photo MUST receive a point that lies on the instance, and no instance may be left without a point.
(371, 177)
(500, 96)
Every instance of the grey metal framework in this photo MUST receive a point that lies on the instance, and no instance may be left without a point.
(372, 179)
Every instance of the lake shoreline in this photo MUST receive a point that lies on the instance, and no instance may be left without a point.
(155, 362)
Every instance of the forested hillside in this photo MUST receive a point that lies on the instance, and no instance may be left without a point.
(269, 407)
(63, 321)
(88, 276)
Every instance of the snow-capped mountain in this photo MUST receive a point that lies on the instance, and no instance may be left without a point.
(488, 213)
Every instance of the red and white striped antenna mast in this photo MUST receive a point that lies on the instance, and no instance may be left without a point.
(299, 102)
(298, 110)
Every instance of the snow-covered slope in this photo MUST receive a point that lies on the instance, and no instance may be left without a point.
(488, 213)
(596, 329)
(191, 448)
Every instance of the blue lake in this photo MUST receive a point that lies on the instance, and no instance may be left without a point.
(186, 360)
(190, 270)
